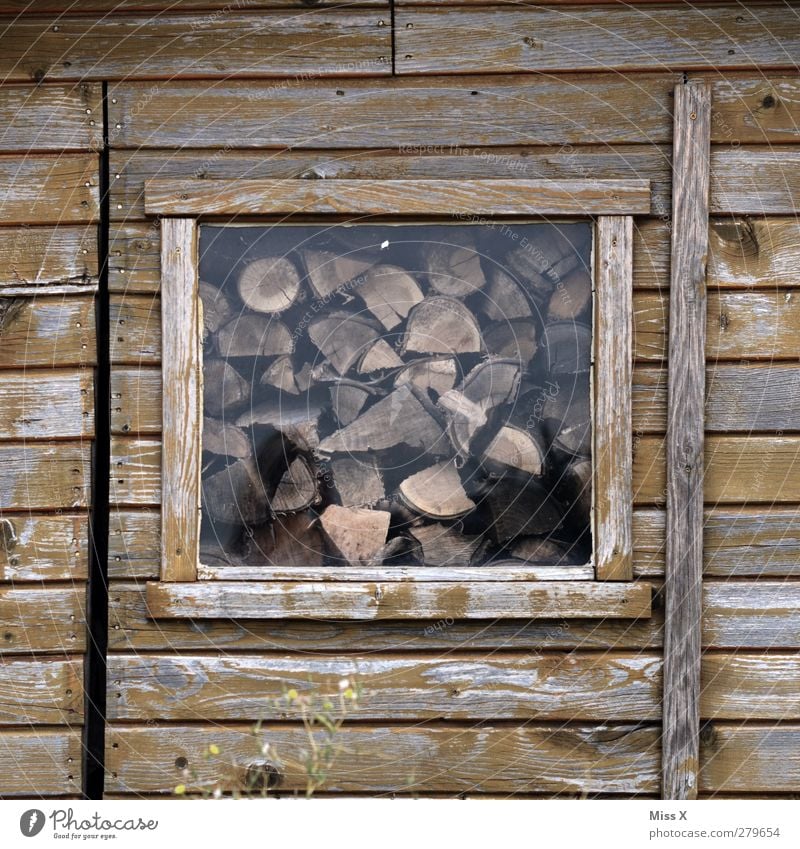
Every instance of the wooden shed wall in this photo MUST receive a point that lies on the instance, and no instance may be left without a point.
(462, 90)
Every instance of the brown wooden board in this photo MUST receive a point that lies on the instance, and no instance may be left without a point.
(42, 620)
(132, 629)
(44, 548)
(36, 260)
(171, 6)
(50, 189)
(41, 692)
(550, 686)
(750, 686)
(45, 475)
(770, 185)
(51, 331)
(378, 760)
(751, 614)
(45, 404)
(346, 42)
(40, 763)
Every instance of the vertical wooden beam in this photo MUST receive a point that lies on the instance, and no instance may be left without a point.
(613, 375)
(687, 324)
(182, 375)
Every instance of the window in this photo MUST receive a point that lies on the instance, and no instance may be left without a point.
(413, 403)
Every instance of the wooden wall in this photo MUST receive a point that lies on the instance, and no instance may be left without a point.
(273, 89)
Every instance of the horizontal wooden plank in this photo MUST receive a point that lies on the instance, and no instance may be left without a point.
(770, 185)
(348, 42)
(50, 189)
(135, 478)
(608, 759)
(46, 404)
(130, 170)
(751, 759)
(751, 614)
(463, 198)
(364, 113)
(40, 763)
(549, 686)
(41, 692)
(47, 260)
(738, 470)
(44, 548)
(42, 620)
(172, 6)
(491, 40)
(131, 629)
(45, 476)
(371, 601)
(52, 331)
(51, 117)
(750, 686)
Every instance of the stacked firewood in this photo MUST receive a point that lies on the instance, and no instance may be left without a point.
(397, 395)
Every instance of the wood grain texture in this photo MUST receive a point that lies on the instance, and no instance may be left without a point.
(389, 759)
(136, 400)
(52, 331)
(47, 260)
(311, 113)
(684, 443)
(181, 403)
(40, 763)
(46, 404)
(135, 329)
(246, 687)
(51, 117)
(41, 692)
(613, 366)
(132, 629)
(770, 185)
(44, 548)
(370, 601)
(750, 686)
(751, 614)
(350, 42)
(45, 475)
(462, 199)
(50, 189)
(506, 40)
(738, 758)
(43, 620)
(173, 6)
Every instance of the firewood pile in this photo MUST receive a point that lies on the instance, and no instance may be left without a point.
(414, 395)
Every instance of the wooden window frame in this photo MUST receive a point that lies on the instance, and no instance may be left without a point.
(603, 588)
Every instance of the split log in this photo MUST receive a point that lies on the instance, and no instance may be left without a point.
(296, 418)
(217, 309)
(492, 382)
(438, 374)
(358, 482)
(520, 505)
(465, 419)
(254, 335)
(575, 486)
(348, 401)
(505, 298)
(568, 347)
(297, 489)
(281, 375)
(269, 285)
(403, 417)
(236, 495)
(342, 338)
(304, 377)
(572, 296)
(547, 254)
(287, 541)
(575, 438)
(436, 492)
(442, 545)
(355, 535)
(440, 325)
(329, 271)
(224, 389)
(453, 265)
(545, 551)
(378, 357)
(389, 293)
(225, 439)
(516, 448)
(514, 339)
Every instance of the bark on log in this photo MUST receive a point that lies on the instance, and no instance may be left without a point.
(269, 285)
(389, 293)
(436, 492)
(356, 535)
(224, 389)
(440, 325)
(253, 335)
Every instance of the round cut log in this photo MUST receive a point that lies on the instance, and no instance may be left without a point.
(270, 284)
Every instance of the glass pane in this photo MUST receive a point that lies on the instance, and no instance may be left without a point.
(396, 395)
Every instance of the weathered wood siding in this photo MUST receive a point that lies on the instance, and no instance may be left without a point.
(494, 90)
(49, 169)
